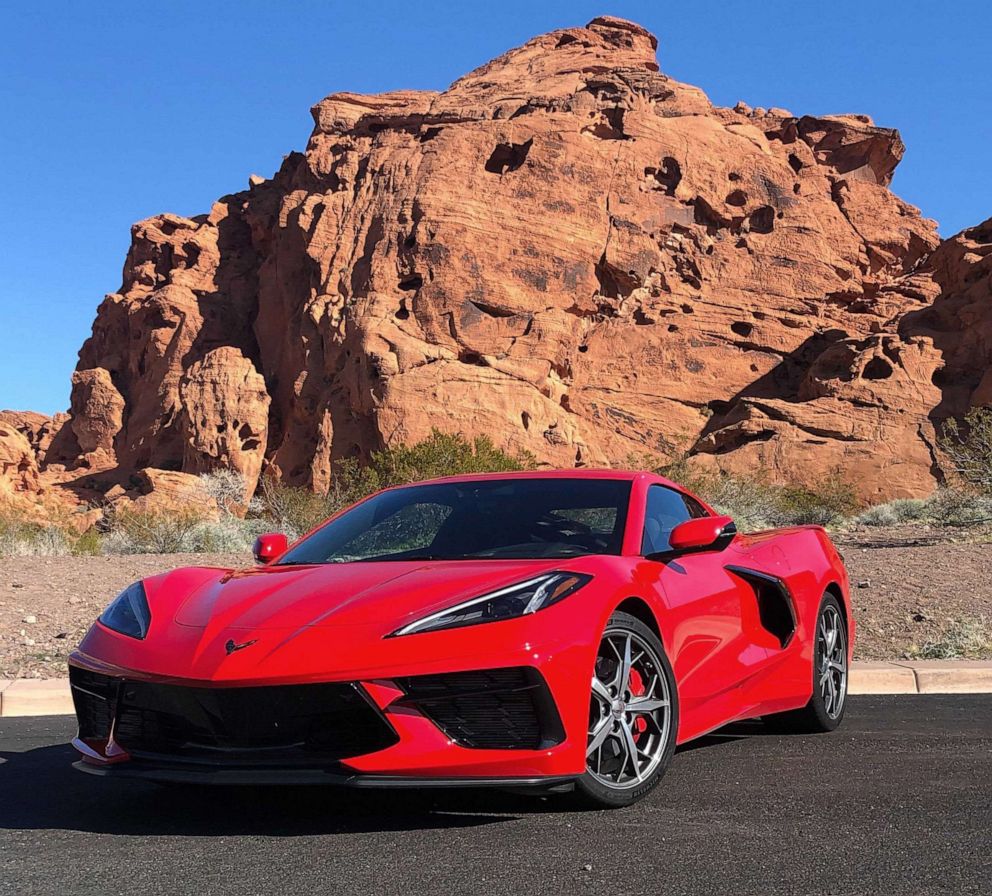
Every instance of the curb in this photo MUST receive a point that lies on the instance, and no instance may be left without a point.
(50, 697)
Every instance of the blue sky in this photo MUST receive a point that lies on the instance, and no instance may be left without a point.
(110, 112)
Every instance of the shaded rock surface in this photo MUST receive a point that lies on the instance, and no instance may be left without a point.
(566, 250)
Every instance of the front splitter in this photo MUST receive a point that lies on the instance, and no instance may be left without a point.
(187, 774)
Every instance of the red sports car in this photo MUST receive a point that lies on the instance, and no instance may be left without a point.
(559, 630)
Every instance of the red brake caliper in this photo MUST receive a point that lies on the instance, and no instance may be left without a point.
(637, 689)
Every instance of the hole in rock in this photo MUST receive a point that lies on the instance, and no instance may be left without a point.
(742, 328)
(667, 176)
(469, 357)
(795, 163)
(508, 157)
(412, 283)
(737, 198)
(762, 220)
(877, 369)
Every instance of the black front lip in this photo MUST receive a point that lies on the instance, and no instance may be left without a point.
(334, 776)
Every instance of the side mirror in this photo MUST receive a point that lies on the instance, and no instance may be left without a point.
(714, 532)
(268, 547)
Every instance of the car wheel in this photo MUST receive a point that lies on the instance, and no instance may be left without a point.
(825, 709)
(633, 716)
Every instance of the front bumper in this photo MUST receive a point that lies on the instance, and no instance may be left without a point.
(496, 727)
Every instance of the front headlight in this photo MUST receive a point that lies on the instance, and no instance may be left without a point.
(507, 603)
(128, 613)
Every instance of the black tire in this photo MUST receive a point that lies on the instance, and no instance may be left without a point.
(660, 725)
(823, 712)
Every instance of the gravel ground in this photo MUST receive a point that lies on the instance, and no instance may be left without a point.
(909, 590)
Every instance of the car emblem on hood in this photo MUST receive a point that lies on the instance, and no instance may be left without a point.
(231, 645)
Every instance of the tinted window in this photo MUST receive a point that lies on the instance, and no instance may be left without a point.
(665, 509)
(492, 519)
(696, 510)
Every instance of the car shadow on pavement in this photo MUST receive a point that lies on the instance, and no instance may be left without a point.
(39, 789)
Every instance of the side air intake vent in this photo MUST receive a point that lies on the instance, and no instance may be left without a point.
(775, 607)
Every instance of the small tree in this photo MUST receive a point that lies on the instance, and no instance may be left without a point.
(968, 445)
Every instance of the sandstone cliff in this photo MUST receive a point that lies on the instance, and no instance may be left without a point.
(567, 250)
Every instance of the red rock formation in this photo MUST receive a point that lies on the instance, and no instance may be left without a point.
(566, 250)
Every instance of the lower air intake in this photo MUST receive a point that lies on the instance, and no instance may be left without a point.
(490, 709)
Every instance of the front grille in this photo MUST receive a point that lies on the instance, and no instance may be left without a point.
(307, 724)
(494, 709)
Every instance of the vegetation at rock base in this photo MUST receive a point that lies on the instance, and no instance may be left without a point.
(217, 518)
(968, 444)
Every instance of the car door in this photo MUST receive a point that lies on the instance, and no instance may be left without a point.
(710, 654)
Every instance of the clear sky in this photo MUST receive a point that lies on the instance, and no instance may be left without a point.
(111, 112)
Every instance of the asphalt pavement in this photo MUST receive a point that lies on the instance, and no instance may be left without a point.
(897, 801)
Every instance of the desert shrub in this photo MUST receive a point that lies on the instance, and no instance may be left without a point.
(826, 505)
(444, 454)
(19, 539)
(756, 503)
(227, 488)
(960, 507)
(752, 503)
(961, 639)
(89, 543)
(968, 445)
(227, 535)
(893, 513)
(133, 531)
(292, 509)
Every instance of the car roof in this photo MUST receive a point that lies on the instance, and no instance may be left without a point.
(574, 473)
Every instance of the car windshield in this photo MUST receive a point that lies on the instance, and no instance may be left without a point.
(486, 519)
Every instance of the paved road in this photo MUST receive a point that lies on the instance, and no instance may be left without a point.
(896, 802)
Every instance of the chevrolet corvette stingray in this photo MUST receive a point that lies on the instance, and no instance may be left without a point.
(553, 630)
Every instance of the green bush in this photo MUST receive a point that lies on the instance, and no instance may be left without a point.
(827, 505)
(296, 510)
(444, 454)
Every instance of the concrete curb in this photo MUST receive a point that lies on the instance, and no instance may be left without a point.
(49, 697)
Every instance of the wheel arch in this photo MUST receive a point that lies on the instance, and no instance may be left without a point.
(640, 609)
(833, 588)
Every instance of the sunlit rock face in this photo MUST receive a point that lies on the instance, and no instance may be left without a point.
(566, 250)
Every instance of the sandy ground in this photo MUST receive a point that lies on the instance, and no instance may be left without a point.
(908, 589)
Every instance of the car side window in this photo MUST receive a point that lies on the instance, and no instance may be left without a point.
(665, 509)
(696, 510)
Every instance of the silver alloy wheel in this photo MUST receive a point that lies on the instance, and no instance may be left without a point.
(630, 711)
(831, 644)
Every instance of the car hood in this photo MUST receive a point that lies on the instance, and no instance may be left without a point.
(391, 593)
